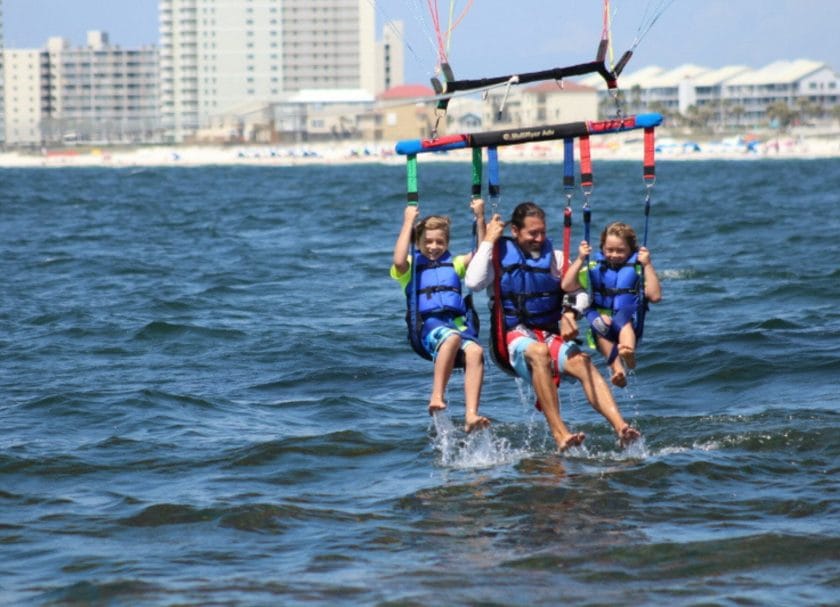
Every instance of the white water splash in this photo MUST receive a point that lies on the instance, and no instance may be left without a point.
(478, 449)
(678, 274)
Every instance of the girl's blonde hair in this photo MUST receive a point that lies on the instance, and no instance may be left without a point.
(623, 231)
(432, 222)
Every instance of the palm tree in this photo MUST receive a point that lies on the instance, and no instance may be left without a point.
(781, 115)
(737, 111)
(635, 98)
(698, 117)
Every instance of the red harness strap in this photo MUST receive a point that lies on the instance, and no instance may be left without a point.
(649, 171)
(585, 163)
(498, 333)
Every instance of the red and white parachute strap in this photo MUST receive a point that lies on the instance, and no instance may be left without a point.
(444, 38)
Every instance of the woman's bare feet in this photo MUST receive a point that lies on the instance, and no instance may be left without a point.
(573, 440)
(627, 435)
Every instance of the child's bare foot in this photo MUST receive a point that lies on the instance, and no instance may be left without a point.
(436, 405)
(619, 379)
(628, 355)
(475, 422)
(627, 435)
(573, 440)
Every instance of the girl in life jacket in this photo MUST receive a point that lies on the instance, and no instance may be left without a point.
(622, 280)
(442, 325)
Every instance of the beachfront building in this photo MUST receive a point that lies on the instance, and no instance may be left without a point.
(317, 115)
(544, 103)
(390, 57)
(706, 94)
(403, 113)
(728, 96)
(809, 85)
(217, 55)
(465, 115)
(22, 95)
(673, 89)
(98, 93)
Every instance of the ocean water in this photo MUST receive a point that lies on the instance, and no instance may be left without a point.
(207, 398)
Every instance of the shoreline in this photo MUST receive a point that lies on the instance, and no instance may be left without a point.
(604, 148)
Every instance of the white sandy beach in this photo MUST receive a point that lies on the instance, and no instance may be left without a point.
(617, 147)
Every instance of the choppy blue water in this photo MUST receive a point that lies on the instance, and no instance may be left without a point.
(206, 397)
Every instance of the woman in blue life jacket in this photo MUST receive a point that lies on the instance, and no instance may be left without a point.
(446, 331)
(522, 274)
(615, 277)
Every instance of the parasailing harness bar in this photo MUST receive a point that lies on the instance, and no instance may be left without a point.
(409, 147)
(599, 66)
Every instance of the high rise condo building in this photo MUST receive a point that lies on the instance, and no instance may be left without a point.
(221, 57)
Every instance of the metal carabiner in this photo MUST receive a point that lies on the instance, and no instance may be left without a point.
(513, 80)
(616, 95)
(494, 204)
(439, 114)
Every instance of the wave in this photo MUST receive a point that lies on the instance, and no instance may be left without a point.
(341, 443)
(104, 592)
(257, 517)
(160, 330)
(670, 560)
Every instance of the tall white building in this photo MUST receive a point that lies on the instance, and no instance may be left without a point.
(223, 57)
(23, 85)
(93, 93)
(99, 92)
(390, 57)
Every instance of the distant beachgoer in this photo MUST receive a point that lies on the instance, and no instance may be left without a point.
(446, 333)
(615, 276)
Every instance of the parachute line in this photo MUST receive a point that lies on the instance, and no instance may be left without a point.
(389, 22)
(653, 11)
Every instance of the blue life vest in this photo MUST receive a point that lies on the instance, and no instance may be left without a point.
(530, 294)
(615, 289)
(438, 287)
(437, 301)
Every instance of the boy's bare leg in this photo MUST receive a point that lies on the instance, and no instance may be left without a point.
(627, 345)
(619, 377)
(473, 380)
(444, 361)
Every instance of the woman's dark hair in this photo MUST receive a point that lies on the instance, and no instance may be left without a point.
(526, 209)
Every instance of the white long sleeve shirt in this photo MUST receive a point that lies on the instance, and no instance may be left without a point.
(480, 275)
(480, 271)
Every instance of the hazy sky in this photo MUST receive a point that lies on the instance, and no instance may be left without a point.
(505, 36)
